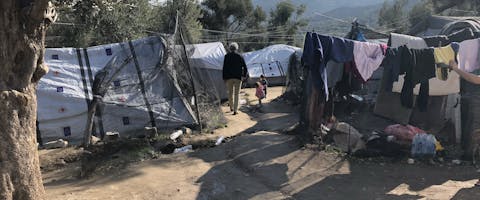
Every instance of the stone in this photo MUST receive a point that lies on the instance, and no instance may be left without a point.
(111, 136)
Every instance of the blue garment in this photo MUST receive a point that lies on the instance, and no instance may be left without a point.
(320, 49)
(361, 37)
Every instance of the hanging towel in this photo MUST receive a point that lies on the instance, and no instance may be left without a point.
(368, 57)
(468, 55)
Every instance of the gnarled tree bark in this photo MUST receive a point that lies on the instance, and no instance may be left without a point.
(22, 35)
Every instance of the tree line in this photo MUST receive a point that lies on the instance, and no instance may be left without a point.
(85, 23)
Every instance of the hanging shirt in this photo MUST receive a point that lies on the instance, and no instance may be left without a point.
(418, 65)
(368, 57)
(437, 87)
(334, 73)
(443, 56)
(391, 65)
(468, 55)
(319, 50)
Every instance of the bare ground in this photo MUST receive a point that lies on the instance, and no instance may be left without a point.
(261, 164)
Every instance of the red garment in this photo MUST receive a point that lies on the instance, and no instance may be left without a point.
(403, 133)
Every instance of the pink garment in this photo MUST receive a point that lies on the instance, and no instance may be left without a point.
(468, 59)
(260, 92)
(368, 57)
(403, 133)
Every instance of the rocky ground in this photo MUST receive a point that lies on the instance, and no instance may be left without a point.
(257, 161)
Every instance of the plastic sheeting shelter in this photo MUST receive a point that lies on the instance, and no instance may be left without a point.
(208, 59)
(272, 62)
(144, 92)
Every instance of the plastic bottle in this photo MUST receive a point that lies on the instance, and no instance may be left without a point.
(176, 134)
(183, 149)
(219, 140)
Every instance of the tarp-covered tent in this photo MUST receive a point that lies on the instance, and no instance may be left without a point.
(144, 93)
(208, 58)
(272, 61)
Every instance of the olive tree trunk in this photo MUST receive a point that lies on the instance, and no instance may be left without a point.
(22, 34)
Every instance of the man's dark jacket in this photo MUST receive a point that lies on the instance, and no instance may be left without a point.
(234, 66)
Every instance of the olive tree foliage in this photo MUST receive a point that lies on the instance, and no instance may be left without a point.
(393, 16)
(285, 22)
(92, 22)
(163, 18)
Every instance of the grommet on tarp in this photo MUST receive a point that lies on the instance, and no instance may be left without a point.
(67, 131)
(126, 120)
(55, 57)
(108, 51)
(56, 73)
(116, 83)
(61, 110)
(59, 89)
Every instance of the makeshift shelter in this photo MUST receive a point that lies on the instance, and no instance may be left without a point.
(147, 82)
(208, 59)
(272, 62)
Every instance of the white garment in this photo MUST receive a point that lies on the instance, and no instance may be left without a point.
(468, 58)
(437, 86)
(368, 58)
(412, 42)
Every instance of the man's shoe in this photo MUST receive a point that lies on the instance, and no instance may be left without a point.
(235, 113)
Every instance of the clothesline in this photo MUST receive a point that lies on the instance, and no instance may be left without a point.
(414, 59)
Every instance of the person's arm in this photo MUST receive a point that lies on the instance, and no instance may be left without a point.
(472, 78)
(244, 67)
(224, 69)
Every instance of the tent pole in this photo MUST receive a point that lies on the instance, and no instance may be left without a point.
(195, 96)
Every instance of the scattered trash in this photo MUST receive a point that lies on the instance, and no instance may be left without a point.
(347, 137)
(219, 140)
(411, 161)
(60, 143)
(111, 136)
(457, 162)
(183, 149)
(187, 131)
(176, 134)
(151, 131)
(94, 140)
(423, 145)
(243, 102)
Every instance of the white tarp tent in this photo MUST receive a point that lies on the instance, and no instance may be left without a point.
(272, 62)
(142, 94)
(208, 59)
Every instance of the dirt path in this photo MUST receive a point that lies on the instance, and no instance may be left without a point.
(268, 165)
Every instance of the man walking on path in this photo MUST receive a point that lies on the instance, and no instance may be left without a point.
(234, 71)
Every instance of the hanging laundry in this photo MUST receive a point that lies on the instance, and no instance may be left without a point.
(444, 40)
(391, 65)
(437, 87)
(319, 50)
(468, 55)
(368, 57)
(334, 73)
(397, 40)
(443, 56)
(418, 65)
